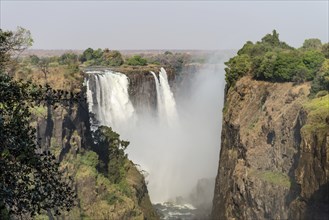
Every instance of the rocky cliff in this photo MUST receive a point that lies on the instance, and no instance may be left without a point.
(274, 159)
(66, 132)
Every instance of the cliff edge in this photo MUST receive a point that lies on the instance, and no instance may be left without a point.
(274, 159)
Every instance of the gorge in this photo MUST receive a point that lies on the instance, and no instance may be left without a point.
(141, 141)
(174, 142)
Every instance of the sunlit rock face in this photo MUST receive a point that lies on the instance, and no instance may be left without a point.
(269, 168)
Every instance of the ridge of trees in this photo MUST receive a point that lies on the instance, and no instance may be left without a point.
(273, 60)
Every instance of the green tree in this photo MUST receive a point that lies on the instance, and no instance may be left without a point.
(136, 61)
(30, 180)
(272, 39)
(68, 59)
(285, 66)
(87, 55)
(236, 67)
(12, 44)
(312, 44)
(111, 150)
(97, 54)
(313, 60)
(112, 58)
(325, 50)
(34, 60)
(321, 81)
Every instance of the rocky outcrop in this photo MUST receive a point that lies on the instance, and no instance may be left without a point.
(66, 132)
(269, 168)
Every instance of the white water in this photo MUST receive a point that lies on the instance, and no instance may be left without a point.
(166, 104)
(110, 103)
(159, 98)
(181, 144)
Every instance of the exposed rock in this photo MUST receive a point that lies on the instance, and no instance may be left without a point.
(98, 198)
(268, 168)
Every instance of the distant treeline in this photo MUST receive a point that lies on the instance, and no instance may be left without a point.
(113, 58)
(273, 60)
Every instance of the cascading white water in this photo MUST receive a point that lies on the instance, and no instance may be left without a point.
(180, 145)
(159, 98)
(110, 102)
(169, 105)
(166, 104)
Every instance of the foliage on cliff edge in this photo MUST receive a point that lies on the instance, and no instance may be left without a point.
(273, 60)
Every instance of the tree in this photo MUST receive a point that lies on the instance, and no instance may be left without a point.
(321, 80)
(87, 55)
(112, 58)
(43, 65)
(313, 60)
(312, 44)
(111, 150)
(273, 39)
(136, 61)
(68, 59)
(325, 50)
(236, 67)
(34, 59)
(30, 179)
(12, 45)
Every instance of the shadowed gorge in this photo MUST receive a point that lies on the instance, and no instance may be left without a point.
(148, 111)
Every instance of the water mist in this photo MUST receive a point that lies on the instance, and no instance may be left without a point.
(181, 143)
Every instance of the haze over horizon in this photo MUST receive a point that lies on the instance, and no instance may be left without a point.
(181, 25)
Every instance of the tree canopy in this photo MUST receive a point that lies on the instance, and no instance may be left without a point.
(273, 60)
(136, 61)
(30, 179)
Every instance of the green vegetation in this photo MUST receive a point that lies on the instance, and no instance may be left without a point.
(111, 152)
(321, 80)
(175, 61)
(103, 175)
(317, 117)
(136, 61)
(273, 177)
(30, 178)
(273, 60)
(32, 182)
(101, 57)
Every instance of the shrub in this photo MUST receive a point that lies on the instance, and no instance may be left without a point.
(237, 67)
(136, 61)
(273, 60)
(312, 44)
(112, 58)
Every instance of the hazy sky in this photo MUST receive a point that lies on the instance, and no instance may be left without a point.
(164, 24)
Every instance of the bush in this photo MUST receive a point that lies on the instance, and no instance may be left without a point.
(237, 67)
(321, 80)
(313, 60)
(112, 58)
(89, 158)
(312, 44)
(273, 60)
(136, 61)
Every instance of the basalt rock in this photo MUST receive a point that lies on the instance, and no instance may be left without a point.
(269, 168)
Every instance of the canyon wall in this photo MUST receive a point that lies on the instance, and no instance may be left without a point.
(66, 132)
(274, 159)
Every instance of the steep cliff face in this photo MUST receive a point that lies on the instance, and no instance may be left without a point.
(66, 132)
(270, 167)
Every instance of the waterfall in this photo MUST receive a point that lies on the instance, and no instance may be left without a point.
(159, 99)
(179, 145)
(110, 102)
(167, 112)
